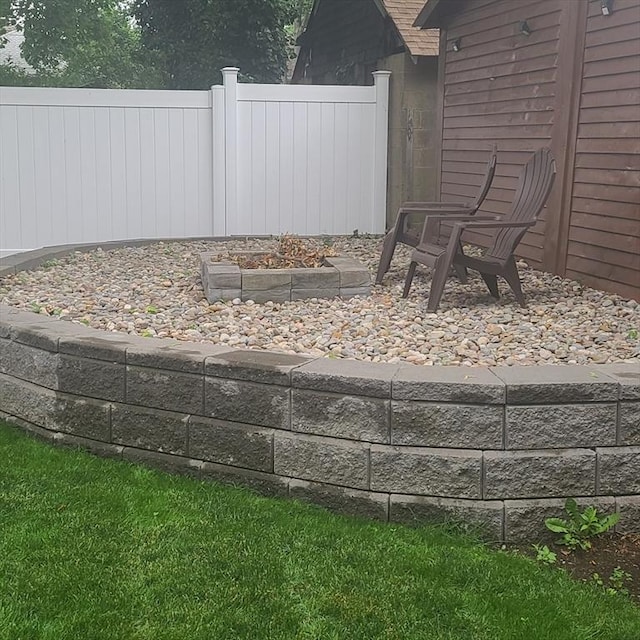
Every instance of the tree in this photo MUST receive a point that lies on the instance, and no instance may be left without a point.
(177, 44)
(90, 43)
(5, 11)
(194, 39)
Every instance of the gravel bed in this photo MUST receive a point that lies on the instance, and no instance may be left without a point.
(156, 291)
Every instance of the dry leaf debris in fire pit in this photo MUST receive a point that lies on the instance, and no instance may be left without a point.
(291, 252)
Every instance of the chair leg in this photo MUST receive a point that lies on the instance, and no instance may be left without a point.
(461, 272)
(440, 273)
(388, 249)
(513, 278)
(492, 284)
(409, 279)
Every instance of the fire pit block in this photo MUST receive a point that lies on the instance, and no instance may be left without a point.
(340, 276)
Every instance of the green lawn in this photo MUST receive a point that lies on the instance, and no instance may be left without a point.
(93, 548)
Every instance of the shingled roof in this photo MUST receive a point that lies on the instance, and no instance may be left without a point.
(419, 42)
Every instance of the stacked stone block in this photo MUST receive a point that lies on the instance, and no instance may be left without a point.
(341, 276)
(498, 448)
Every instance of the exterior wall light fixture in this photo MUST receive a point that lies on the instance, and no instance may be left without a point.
(525, 28)
(605, 7)
(456, 46)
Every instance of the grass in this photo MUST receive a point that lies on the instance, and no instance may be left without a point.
(99, 549)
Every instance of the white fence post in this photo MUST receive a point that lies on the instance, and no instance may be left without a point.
(218, 162)
(230, 82)
(381, 81)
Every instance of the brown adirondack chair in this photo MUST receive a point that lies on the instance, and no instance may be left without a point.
(437, 231)
(534, 186)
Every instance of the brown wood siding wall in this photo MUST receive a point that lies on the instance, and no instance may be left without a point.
(573, 84)
(603, 244)
(483, 104)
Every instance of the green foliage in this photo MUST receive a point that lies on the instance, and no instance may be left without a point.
(617, 582)
(632, 334)
(5, 12)
(544, 554)
(12, 76)
(581, 526)
(79, 43)
(151, 43)
(194, 39)
(619, 579)
(298, 12)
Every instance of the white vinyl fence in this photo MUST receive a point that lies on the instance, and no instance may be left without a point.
(93, 165)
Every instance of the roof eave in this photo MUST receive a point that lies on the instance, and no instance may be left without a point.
(428, 16)
(407, 47)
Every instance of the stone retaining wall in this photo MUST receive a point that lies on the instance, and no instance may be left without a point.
(502, 447)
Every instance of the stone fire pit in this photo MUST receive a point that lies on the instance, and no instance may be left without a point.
(340, 276)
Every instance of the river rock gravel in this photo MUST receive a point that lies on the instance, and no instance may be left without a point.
(155, 290)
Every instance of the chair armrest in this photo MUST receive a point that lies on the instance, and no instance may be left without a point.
(460, 218)
(463, 210)
(436, 205)
(477, 223)
(457, 221)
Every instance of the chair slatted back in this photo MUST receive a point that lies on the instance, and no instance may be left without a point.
(432, 231)
(488, 178)
(534, 186)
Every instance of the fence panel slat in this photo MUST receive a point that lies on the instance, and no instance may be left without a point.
(58, 169)
(10, 223)
(286, 182)
(42, 175)
(300, 177)
(104, 192)
(342, 217)
(272, 166)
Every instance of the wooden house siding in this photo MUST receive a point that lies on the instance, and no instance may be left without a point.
(603, 244)
(573, 84)
(481, 106)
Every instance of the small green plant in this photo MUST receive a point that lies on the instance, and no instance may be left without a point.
(632, 334)
(35, 307)
(544, 554)
(151, 309)
(617, 582)
(581, 525)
